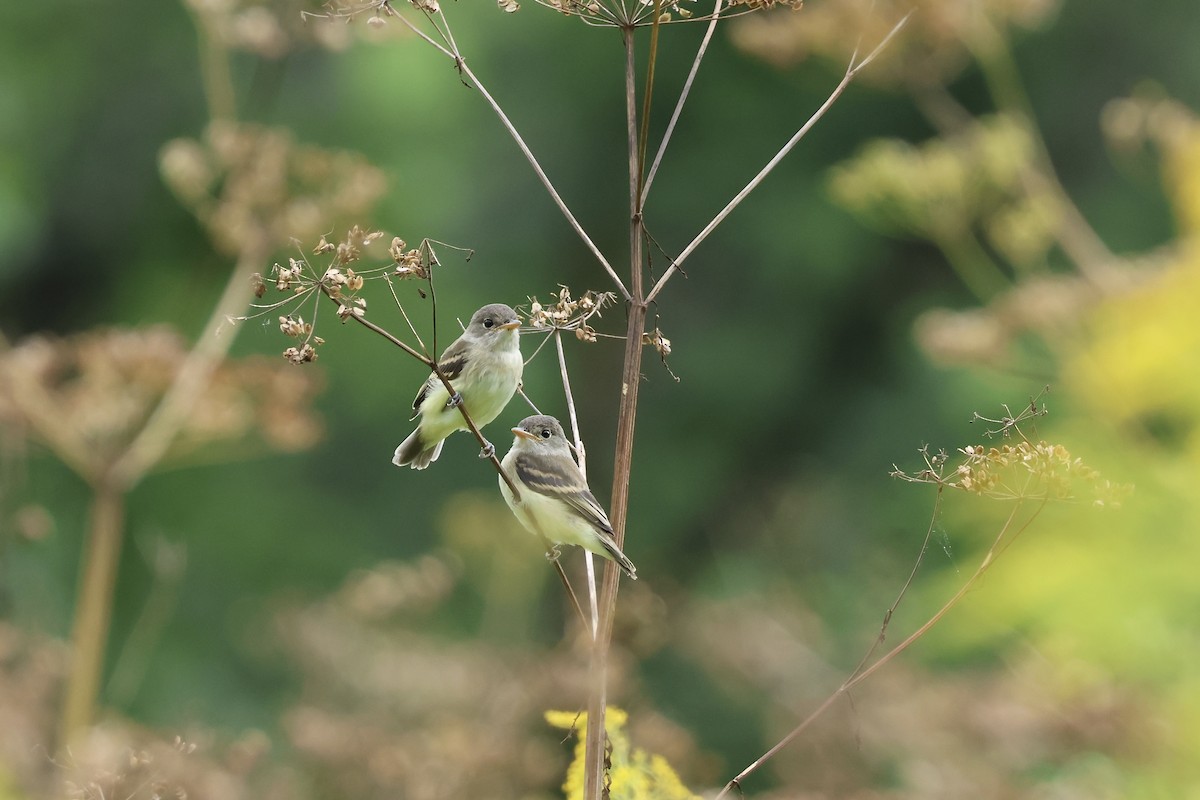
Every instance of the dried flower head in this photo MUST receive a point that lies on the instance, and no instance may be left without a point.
(256, 189)
(567, 313)
(89, 395)
(935, 46)
(944, 186)
(1017, 469)
(614, 13)
(410, 263)
(660, 343)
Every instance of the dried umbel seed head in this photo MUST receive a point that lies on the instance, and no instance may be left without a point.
(254, 188)
(300, 355)
(107, 382)
(568, 313)
(659, 342)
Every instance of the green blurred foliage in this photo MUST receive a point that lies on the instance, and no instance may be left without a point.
(768, 535)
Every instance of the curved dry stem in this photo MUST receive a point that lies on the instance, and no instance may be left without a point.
(156, 436)
(860, 673)
(683, 96)
(93, 610)
(851, 71)
(581, 457)
(461, 63)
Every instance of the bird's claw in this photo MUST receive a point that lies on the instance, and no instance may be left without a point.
(553, 554)
(455, 400)
(488, 450)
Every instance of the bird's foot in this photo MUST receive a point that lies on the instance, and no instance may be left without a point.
(553, 554)
(488, 450)
(455, 400)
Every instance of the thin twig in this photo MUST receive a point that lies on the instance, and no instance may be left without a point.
(426, 37)
(562, 575)
(581, 457)
(537, 168)
(887, 615)
(525, 397)
(156, 436)
(851, 71)
(860, 674)
(412, 328)
(683, 96)
(647, 97)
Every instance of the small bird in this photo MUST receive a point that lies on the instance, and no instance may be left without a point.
(556, 503)
(484, 365)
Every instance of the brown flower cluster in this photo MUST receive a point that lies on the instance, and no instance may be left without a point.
(612, 13)
(89, 395)
(1018, 470)
(256, 189)
(934, 46)
(567, 313)
(273, 28)
(949, 185)
(302, 282)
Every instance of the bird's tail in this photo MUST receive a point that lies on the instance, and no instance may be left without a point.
(415, 454)
(613, 553)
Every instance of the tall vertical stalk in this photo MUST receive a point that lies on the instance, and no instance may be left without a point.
(622, 461)
(89, 632)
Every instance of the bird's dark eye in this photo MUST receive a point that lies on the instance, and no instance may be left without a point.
(489, 322)
(545, 433)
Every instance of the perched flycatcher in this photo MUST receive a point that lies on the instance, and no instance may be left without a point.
(555, 500)
(484, 365)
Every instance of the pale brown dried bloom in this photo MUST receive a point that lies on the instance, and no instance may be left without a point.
(1017, 470)
(273, 28)
(567, 313)
(934, 47)
(256, 189)
(87, 396)
(304, 354)
(410, 263)
(659, 342)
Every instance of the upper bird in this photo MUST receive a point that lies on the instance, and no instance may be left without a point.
(484, 365)
(556, 502)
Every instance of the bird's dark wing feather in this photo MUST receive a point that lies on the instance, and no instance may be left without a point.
(452, 363)
(567, 485)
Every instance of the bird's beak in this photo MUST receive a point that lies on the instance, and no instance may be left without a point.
(524, 434)
(508, 326)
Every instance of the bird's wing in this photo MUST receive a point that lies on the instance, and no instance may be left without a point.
(566, 484)
(452, 363)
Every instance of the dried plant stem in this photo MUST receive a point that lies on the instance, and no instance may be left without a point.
(581, 458)
(851, 71)
(214, 70)
(537, 168)
(460, 63)
(683, 96)
(93, 608)
(861, 673)
(631, 376)
(152, 442)
(1077, 238)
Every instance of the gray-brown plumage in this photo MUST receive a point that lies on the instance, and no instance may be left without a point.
(556, 502)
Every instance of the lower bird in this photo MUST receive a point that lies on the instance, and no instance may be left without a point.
(556, 502)
(484, 366)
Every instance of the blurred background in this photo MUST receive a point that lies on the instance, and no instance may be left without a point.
(1006, 200)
